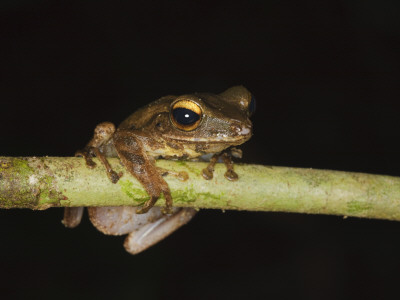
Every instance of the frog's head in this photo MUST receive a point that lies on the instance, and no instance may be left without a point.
(220, 121)
(201, 123)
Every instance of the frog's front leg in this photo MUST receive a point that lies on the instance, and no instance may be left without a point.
(230, 174)
(102, 134)
(135, 159)
(144, 230)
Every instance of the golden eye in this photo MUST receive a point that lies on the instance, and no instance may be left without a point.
(186, 115)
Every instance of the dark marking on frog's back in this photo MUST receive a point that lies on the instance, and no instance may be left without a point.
(132, 144)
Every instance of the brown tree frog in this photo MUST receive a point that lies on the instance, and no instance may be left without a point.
(190, 127)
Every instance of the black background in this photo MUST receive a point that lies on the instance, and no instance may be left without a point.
(326, 78)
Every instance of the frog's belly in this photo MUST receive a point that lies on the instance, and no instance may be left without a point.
(173, 153)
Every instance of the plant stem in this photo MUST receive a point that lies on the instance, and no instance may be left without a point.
(43, 182)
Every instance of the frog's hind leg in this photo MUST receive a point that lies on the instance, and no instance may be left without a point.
(119, 220)
(152, 233)
(144, 230)
(141, 166)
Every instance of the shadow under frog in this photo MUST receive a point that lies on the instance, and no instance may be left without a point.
(193, 127)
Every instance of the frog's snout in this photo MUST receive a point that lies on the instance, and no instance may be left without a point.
(242, 129)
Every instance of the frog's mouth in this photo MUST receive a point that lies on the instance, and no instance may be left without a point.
(238, 134)
(237, 137)
(221, 140)
(215, 140)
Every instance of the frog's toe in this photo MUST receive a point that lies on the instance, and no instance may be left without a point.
(167, 210)
(235, 152)
(114, 177)
(90, 163)
(87, 156)
(183, 176)
(207, 174)
(147, 205)
(72, 216)
(142, 210)
(231, 175)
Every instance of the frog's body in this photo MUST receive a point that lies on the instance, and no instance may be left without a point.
(184, 127)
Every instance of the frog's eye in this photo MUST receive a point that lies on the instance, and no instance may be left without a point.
(186, 115)
(252, 105)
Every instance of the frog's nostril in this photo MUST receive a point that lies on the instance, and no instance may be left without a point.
(241, 129)
(245, 130)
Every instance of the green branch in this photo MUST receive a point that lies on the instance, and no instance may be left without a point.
(43, 182)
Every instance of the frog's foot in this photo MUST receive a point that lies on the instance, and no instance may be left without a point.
(153, 199)
(87, 154)
(182, 176)
(208, 172)
(144, 230)
(151, 233)
(230, 174)
(72, 216)
(112, 175)
(147, 205)
(167, 210)
(235, 152)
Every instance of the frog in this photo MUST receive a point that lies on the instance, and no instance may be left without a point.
(198, 126)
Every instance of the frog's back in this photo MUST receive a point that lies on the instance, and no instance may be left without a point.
(144, 115)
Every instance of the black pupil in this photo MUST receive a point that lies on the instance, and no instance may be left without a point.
(185, 116)
(252, 106)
